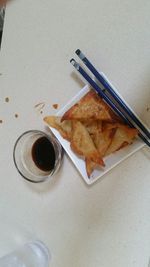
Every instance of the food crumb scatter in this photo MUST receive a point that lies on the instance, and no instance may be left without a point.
(55, 106)
(39, 107)
(6, 99)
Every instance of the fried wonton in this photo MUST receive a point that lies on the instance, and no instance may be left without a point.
(82, 144)
(90, 107)
(64, 127)
(90, 166)
(103, 140)
(123, 136)
(93, 126)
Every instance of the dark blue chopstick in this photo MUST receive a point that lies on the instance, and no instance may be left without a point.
(104, 96)
(111, 91)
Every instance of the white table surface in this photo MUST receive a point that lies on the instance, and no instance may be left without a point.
(107, 224)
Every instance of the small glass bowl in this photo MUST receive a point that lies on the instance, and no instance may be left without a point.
(22, 155)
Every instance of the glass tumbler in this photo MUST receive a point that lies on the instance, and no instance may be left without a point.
(33, 254)
(37, 155)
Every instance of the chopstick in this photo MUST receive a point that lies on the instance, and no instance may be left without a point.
(105, 97)
(111, 91)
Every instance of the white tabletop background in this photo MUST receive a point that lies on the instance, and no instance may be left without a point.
(107, 224)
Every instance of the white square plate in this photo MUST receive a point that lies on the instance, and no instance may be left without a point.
(110, 161)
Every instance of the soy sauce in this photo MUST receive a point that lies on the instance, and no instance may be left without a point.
(43, 154)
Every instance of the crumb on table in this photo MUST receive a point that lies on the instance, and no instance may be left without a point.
(16, 115)
(1, 121)
(55, 106)
(40, 105)
(6, 99)
(148, 108)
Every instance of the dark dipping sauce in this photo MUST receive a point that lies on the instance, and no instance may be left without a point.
(43, 154)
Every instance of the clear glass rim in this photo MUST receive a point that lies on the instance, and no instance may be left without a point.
(46, 177)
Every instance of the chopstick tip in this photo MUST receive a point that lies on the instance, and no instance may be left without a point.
(75, 64)
(72, 61)
(80, 54)
(78, 51)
